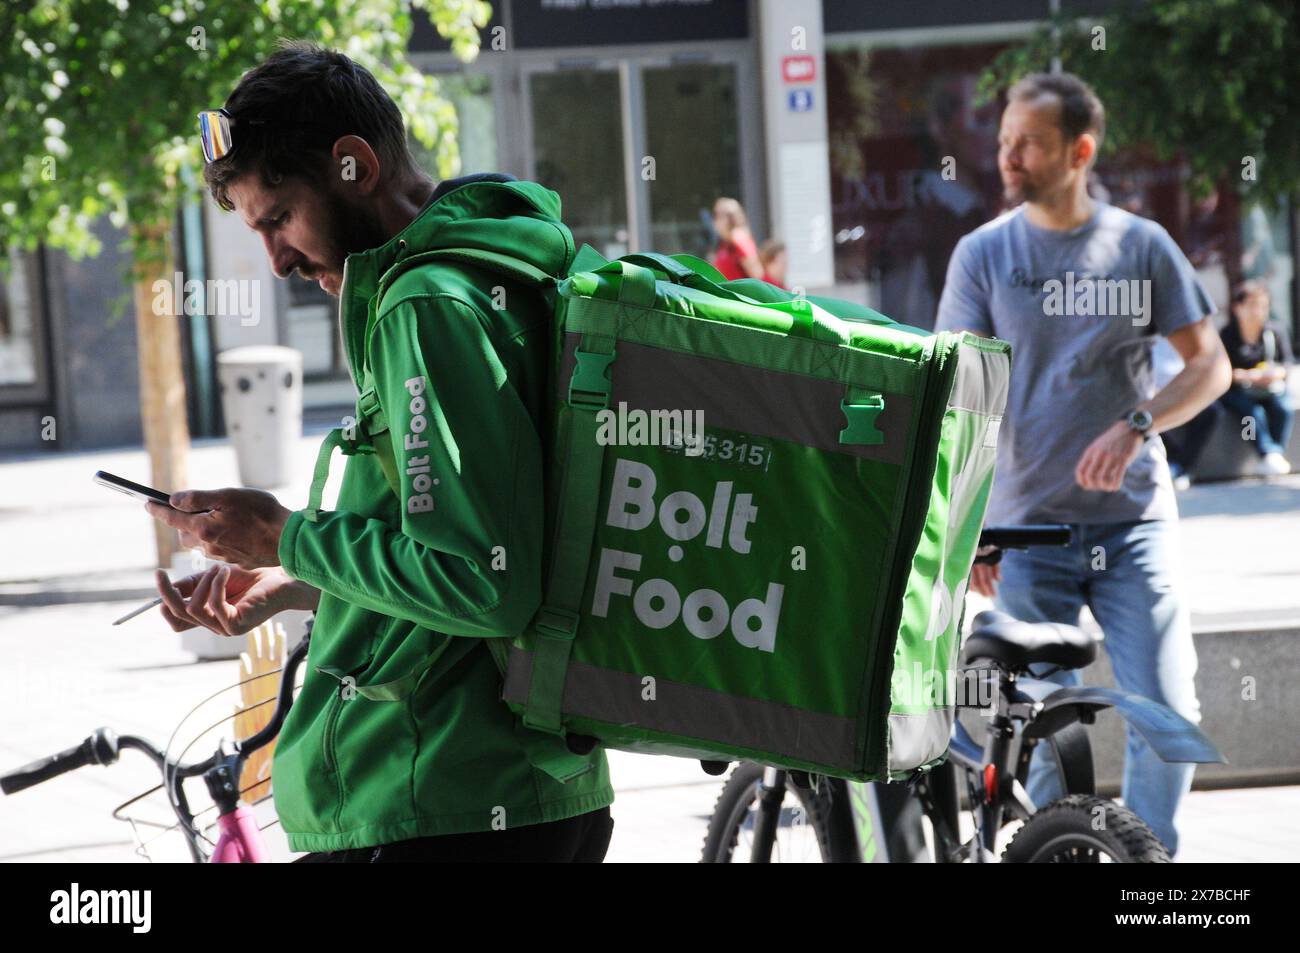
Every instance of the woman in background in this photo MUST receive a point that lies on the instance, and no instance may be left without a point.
(736, 255)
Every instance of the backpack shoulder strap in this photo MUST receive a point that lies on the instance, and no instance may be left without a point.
(368, 407)
(507, 265)
(545, 751)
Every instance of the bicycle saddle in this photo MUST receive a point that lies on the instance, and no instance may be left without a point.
(1014, 644)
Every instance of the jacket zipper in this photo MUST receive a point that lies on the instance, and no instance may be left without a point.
(331, 757)
(336, 706)
(343, 331)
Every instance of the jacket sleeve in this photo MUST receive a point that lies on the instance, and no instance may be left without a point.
(466, 558)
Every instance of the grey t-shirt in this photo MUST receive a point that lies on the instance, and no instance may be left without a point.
(1081, 310)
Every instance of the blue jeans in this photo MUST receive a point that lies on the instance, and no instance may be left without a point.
(1272, 415)
(1128, 575)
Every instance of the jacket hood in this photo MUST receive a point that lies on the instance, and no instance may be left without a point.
(516, 218)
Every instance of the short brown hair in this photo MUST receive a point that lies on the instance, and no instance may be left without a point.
(1081, 110)
(310, 97)
(1247, 289)
(770, 249)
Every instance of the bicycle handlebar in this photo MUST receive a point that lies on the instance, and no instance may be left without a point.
(100, 748)
(1022, 537)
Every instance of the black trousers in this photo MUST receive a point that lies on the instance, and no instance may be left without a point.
(583, 839)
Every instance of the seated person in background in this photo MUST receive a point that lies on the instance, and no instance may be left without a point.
(773, 257)
(1183, 444)
(1260, 352)
(736, 255)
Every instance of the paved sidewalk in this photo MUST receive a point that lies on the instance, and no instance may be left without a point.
(68, 670)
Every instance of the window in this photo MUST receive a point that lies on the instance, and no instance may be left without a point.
(471, 97)
(17, 340)
(913, 167)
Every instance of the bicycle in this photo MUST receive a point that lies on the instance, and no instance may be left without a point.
(239, 839)
(841, 822)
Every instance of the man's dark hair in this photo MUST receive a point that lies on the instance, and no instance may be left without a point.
(310, 96)
(1081, 111)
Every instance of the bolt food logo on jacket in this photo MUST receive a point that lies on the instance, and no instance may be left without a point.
(683, 516)
(417, 465)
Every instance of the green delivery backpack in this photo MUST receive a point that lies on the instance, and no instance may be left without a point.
(762, 513)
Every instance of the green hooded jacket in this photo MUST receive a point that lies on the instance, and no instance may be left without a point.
(370, 753)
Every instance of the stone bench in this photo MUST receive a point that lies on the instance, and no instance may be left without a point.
(1228, 457)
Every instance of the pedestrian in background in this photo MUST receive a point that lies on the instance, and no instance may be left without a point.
(1260, 354)
(1077, 443)
(774, 260)
(736, 255)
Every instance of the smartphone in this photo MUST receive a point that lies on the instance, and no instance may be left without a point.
(122, 485)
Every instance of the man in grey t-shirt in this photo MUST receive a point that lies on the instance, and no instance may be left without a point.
(1082, 290)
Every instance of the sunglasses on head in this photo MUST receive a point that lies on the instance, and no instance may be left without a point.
(215, 131)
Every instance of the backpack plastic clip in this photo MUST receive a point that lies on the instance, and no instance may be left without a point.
(861, 414)
(590, 385)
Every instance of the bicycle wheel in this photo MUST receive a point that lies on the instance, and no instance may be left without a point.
(810, 829)
(1083, 829)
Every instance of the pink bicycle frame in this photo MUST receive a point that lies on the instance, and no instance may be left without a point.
(240, 841)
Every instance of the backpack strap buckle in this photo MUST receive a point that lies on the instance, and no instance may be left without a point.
(590, 385)
(861, 412)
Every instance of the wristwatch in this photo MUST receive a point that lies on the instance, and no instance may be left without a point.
(1139, 421)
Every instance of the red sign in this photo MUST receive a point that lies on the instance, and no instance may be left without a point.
(798, 69)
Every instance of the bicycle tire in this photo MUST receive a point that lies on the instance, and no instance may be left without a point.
(1065, 832)
(821, 808)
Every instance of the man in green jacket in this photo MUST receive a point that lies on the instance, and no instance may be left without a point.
(399, 746)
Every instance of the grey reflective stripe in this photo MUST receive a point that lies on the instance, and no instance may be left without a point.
(787, 353)
(981, 382)
(689, 711)
(915, 740)
(750, 400)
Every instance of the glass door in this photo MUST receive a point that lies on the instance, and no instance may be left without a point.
(577, 150)
(692, 132)
(640, 148)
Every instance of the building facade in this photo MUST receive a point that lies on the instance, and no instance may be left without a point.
(834, 122)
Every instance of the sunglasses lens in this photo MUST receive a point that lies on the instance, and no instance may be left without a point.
(214, 129)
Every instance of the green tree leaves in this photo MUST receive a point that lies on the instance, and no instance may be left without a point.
(99, 98)
(1213, 81)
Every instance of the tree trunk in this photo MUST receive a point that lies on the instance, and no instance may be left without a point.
(162, 398)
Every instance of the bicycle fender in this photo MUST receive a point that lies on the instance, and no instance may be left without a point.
(1169, 734)
(1073, 751)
